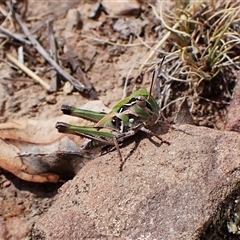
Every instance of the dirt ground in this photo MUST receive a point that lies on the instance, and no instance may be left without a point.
(106, 66)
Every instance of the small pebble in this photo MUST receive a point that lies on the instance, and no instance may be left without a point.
(6, 184)
(67, 88)
(50, 99)
(74, 19)
(122, 8)
(3, 119)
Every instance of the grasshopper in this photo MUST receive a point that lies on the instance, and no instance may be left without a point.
(135, 113)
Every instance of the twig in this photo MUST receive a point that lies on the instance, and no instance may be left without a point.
(156, 47)
(79, 86)
(116, 44)
(28, 71)
(14, 35)
(72, 59)
(126, 82)
(56, 14)
(20, 54)
(53, 53)
(91, 61)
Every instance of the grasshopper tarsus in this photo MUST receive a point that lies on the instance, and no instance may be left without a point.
(121, 167)
(119, 154)
(66, 109)
(164, 141)
(122, 162)
(62, 127)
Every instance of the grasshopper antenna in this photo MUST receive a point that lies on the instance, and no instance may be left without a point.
(156, 73)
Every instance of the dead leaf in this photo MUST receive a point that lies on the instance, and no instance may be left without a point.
(35, 151)
(183, 115)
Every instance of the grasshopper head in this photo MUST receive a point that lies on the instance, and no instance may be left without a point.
(141, 101)
(146, 109)
(140, 108)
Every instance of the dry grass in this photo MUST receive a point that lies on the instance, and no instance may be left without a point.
(201, 44)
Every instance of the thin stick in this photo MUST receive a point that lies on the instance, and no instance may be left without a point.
(74, 62)
(156, 73)
(14, 35)
(126, 83)
(79, 86)
(29, 72)
(55, 13)
(116, 44)
(53, 53)
(155, 49)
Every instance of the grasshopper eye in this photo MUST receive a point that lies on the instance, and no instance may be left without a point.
(118, 123)
(115, 123)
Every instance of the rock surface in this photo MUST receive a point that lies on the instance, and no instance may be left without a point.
(163, 192)
(233, 116)
(122, 8)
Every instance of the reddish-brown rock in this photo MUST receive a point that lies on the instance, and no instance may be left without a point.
(122, 8)
(163, 192)
(233, 116)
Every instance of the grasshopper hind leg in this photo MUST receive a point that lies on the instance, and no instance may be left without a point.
(116, 141)
(119, 154)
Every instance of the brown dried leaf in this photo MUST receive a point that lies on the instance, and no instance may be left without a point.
(35, 151)
(183, 115)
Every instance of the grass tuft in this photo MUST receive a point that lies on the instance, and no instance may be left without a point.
(202, 44)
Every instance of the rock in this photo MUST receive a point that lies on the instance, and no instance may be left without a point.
(51, 99)
(74, 19)
(183, 115)
(3, 230)
(6, 184)
(129, 26)
(177, 191)
(233, 116)
(67, 88)
(122, 8)
(20, 232)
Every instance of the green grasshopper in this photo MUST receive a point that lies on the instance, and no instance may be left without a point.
(135, 113)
